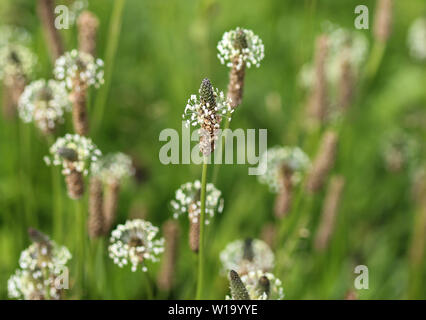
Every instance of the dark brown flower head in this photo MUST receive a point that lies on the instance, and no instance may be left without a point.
(238, 289)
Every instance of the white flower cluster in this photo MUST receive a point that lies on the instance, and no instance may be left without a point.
(253, 54)
(187, 200)
(40, 266)
(232, 257)
(342, 44)
(251, 282)
(197, 113)
(113, 167)
(86, 150)
(45, 103)
(417, 39)
(79, 69)
(274, 158)
(133, 242)
(16, 60)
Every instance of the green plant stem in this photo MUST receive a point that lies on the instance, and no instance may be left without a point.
(110, 53)
(375, 60)
(202, 225)
(57, 200)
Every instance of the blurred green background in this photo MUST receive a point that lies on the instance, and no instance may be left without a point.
(165, 48)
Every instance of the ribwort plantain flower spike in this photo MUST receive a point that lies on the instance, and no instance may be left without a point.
(323, 162)
(206, 112)
(239, 48)
(261, 286)
(44, 103)
(187, 197)
(16, 60)
(111, 170)
(79, 71)
(133, 243)
(75, 154)
(17, 64)
(40, 268)
(283, 167)
(238, 289)
(187, 200)
(247, 255)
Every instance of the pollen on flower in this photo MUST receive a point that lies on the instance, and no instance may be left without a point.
(79, 70)
(85, 151)
(133, 244)
(44, 103)
(274, 158)
(241, 45)
(247, 255)
(187, 200)
(113, 167)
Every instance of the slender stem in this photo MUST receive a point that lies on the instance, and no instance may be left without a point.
(80, 235)
(57, 200)
(202, 224)
(375, 60)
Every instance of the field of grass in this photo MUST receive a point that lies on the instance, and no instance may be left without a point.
(156, 53)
